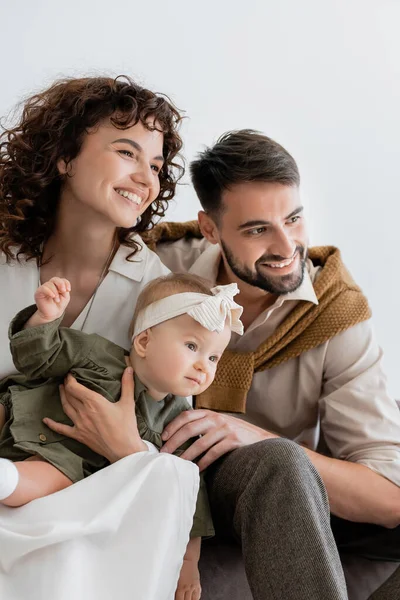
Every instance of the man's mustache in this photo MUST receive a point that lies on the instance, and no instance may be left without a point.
(266, 258)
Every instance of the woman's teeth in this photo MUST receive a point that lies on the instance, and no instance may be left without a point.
(132, 197)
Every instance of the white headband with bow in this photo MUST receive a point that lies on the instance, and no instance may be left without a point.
(210, 311)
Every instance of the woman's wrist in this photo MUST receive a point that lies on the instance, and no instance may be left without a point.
(126, 450)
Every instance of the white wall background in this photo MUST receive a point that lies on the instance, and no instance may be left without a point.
(322, 77)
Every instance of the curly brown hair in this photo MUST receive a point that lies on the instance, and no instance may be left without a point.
(52, 127)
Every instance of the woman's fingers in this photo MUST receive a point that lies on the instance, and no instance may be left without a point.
(60, 428)
(127, 388)
(68, 408)
(79, 394)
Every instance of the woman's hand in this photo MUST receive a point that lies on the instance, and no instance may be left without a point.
(110, 429)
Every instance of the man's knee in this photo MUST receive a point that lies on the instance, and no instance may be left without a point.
(281, 465)
(277, 454)
(274, 460)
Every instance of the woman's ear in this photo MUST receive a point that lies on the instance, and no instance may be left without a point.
(65, 166)
(62, 166)
(141, 342)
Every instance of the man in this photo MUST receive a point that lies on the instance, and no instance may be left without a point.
(314, 420)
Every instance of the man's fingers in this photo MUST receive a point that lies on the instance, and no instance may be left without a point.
(196, 426)
(127, 387)
(203, 444)
(226, 445)
(184, 418)
(60, 428)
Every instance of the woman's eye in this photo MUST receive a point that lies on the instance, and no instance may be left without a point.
(155, 168)
(191, 346)
(126, 153)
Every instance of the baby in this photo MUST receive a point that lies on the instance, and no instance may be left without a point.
(179, 331)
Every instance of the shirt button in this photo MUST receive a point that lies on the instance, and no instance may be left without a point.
(42, 437)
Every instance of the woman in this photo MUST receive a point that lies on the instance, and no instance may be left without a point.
(89, 166)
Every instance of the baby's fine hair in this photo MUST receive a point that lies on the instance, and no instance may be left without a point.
(168, 285)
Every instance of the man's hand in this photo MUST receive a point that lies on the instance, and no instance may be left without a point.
(108, 428)
(220, 434)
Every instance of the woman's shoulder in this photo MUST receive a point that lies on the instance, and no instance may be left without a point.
(143, 265)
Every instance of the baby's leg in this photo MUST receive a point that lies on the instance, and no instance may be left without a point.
(36, 478)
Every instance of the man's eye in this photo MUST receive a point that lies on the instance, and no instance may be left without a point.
(294, 219)
(256, 231)
(126, 153)
(191, 346)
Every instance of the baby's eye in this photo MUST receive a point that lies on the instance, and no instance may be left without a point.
(214, 359)
(192, 346)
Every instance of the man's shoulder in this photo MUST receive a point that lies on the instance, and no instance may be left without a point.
(180, 255)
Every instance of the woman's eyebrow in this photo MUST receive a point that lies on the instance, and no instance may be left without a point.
(137, 146)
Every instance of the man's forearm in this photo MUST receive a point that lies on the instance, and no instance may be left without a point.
(357, 493)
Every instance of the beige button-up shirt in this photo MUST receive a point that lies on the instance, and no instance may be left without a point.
(332, 398)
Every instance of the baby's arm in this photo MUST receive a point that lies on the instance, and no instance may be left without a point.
(51, 298)
(189, 578)
(39, 347)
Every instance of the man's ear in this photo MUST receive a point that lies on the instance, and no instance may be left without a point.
(208, 227)
(141, 342)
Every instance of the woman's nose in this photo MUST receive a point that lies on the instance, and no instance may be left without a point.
(142, 174)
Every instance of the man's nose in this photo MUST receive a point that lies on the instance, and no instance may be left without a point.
(283, 245)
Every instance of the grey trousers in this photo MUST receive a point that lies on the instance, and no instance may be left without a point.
(270, 498)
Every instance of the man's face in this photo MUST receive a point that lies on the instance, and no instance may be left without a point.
(263, 236)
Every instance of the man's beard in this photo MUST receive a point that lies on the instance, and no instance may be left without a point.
(283, 284)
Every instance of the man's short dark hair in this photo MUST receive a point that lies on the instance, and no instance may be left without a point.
(240, 157)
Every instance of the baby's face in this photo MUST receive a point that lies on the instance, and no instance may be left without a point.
(182, 355)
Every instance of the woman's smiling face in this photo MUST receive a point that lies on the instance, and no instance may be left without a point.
(116, 173)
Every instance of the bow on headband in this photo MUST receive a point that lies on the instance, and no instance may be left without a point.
(210, 311)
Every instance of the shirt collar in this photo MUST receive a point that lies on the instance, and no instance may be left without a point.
(207, 266)
(133, 268)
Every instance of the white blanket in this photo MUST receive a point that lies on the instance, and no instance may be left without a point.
(121, 533)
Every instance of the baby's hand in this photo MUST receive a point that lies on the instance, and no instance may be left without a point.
(52, 298)
(189, 581)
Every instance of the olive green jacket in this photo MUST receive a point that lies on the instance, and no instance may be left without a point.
(44, 355)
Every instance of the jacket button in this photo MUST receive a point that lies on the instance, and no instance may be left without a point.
(42, 437)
